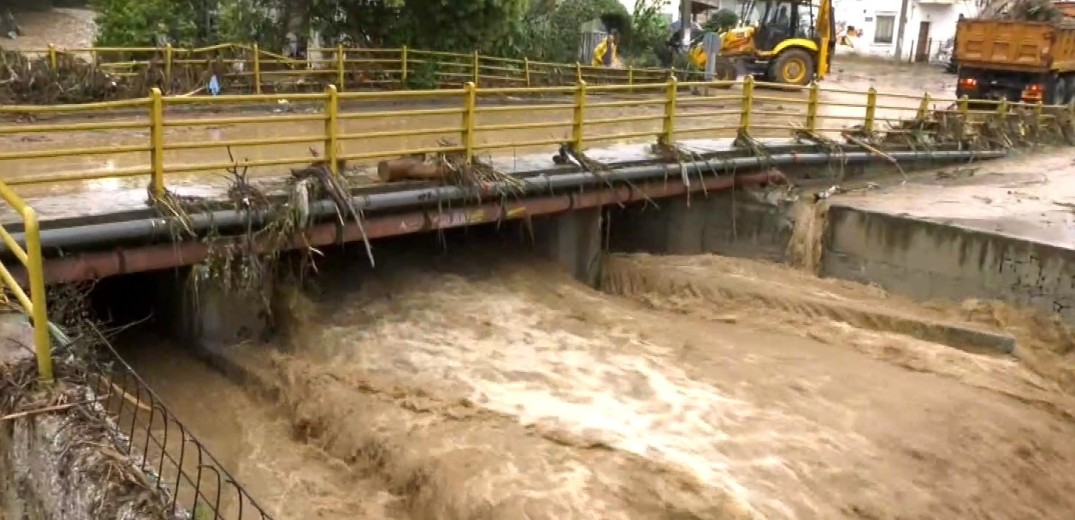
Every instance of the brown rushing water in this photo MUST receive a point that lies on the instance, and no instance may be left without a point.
(486, 384)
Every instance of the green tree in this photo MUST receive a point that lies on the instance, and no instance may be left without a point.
(722, 21)
(144, 22)
(451, 25)
(649, 32)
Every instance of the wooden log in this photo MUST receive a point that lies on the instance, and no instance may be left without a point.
(407, 168)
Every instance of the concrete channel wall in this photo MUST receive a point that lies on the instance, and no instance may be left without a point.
(926, 260)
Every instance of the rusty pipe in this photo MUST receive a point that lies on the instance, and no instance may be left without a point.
(94, 265)
(96, 235)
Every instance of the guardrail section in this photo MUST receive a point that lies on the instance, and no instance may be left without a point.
(35, 303)
(163, 139)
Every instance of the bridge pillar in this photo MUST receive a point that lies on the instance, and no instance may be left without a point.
(572, 240)
(209, 318)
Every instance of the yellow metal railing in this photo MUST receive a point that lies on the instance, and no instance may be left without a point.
(251, 69)
(164, 137)
(33, 304)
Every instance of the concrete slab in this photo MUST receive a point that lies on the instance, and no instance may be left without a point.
(994, 231)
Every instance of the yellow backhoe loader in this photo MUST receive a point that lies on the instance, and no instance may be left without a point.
(783, 41)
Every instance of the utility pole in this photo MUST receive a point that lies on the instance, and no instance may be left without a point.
(685, 21)
(901, 29)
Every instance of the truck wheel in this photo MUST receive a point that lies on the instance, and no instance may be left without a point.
(793, 67)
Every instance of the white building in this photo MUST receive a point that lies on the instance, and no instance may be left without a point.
(927, 25)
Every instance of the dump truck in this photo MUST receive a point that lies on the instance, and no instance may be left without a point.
(1016, 60)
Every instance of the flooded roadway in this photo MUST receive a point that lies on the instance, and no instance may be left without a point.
(483, 383)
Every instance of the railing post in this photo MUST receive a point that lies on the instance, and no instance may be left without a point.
(923, 109)
(477, 68)
(332, 119)
(257, 69)
(1039, 108)
(813, 107)
(578, 72)
(403, 66)
(341, 61)
(668, 128)
(54, 61)
(156, 139)
(631, 75)
(168, 53)
(871, 109)
(526, 70)
(1002, 110)
(579, 119)
(38, 301)
(964, 112)
(469, 121)
(748, 105)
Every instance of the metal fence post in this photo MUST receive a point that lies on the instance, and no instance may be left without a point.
(964, 112)
(631, 76)
(871, 109)
(526, 70)
(579, 119)
(578, 72)
(332, 118)
(54, 61)
(1002, 110)
(469, 120)
(257, 69)
(477, 68)
(156, 139)
(1039, 108)
(813, 107)
(923, 109)
(748, 105)
(403, 66)
(38, 301)
(168, 53)
(341, 61)
(668, 128)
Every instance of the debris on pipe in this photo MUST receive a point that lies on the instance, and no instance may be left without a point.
(410, 169)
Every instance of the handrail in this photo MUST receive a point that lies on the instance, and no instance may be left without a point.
(581, 110)
(33, 304)
(400, 66)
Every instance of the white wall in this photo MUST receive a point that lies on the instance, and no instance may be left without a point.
(863, 14)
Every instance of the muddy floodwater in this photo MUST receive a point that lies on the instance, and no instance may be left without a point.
(483, 383)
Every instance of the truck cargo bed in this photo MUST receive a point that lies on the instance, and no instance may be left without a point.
(1015, 45)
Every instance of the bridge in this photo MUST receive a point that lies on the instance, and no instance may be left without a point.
(124, 186)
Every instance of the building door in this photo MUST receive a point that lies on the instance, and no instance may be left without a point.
(922, 49)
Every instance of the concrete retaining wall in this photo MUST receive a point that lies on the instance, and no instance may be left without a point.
(931, 261)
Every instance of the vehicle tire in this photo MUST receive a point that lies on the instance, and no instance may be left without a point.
(793, 67)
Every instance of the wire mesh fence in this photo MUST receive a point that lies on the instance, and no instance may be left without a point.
(195, 483)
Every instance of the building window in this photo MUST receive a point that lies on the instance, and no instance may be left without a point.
(883, 28)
